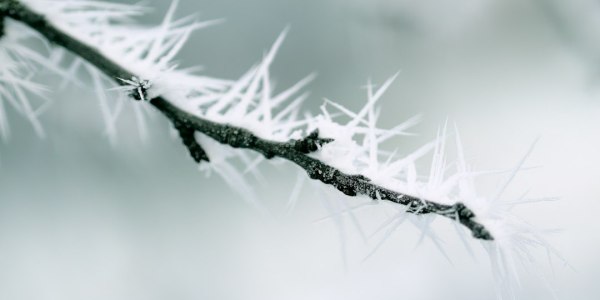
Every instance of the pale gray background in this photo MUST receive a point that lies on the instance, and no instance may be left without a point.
(80, 219)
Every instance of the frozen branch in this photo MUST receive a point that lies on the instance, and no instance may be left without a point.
(187, 135)
(296, 151)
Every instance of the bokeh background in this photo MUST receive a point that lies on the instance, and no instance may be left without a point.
(83, 219)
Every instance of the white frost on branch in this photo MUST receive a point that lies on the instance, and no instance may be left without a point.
(251, 102)
(147, 51)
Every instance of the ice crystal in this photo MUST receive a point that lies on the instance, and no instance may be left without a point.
(137, 88)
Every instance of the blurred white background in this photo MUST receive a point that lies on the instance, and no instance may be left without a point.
(81, 219)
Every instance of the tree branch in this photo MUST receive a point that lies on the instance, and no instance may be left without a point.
(295, 151)
(187, 134)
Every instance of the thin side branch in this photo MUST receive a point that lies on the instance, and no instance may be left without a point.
(295, 151)
(187, 134)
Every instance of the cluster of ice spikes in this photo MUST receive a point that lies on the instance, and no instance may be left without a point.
(250, 102)
(18, 64)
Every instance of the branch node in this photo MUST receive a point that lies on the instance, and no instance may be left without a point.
(310, 143)
(480, 232)
(186, 133)
(466, 216)
(139, 87)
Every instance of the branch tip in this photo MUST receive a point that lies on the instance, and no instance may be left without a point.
(138, 87)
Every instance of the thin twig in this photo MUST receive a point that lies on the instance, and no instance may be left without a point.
(295, 151)
(187, 134)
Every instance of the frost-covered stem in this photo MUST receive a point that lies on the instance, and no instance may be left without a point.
(295, 151)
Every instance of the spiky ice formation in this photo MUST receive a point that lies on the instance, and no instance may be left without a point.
(142, 61)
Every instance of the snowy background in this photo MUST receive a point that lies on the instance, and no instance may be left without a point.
(80, 218)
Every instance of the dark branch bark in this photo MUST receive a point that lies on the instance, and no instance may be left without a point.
(187, 134)
(295, 151)
(1, 25)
